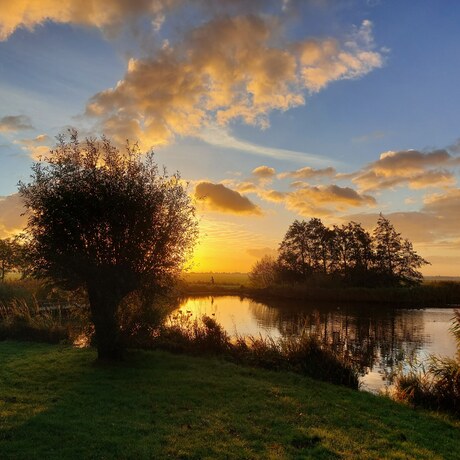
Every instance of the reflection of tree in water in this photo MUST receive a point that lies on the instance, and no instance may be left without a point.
(371, 337)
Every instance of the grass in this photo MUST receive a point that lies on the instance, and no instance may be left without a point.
(55, 403)
(239, 279)
(305, 355)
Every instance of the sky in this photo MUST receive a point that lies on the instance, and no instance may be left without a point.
(271, 110)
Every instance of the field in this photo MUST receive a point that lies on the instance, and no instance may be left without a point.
(236, 279)
(56, 403)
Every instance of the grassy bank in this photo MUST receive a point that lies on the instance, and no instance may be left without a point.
(55, 403)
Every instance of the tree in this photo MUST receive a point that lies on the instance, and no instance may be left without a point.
(295, 251)
(396, 261)
(265, 272)
(109, 221)
(306, 249)
(10, 256)
(353, 248)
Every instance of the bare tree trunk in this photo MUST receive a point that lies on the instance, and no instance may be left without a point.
(104, 306)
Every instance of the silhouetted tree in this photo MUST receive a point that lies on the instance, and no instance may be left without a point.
(295, 252)
(10, 256)
(396, 261)
(109, 221)
(265, 272)
(353, 249)
(306, 249)
(349, 254)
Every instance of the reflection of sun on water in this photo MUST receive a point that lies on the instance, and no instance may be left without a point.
(379, 341)
(231, 312)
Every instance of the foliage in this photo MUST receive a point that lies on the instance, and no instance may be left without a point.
(11, 256)
(264, 273)
(109, 221)
(55, 405)
(396, 261)
(348, 255)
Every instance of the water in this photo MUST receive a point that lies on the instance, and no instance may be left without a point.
(378, 338)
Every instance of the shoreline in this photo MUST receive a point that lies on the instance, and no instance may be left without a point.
(425, 296)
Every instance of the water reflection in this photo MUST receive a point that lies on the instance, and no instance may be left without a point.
(378, 340)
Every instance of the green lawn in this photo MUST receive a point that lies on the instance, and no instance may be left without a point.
(56, 403)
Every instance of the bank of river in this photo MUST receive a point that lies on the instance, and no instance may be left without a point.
(379, 338)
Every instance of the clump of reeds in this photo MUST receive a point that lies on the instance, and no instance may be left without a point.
(436, 384)
(305, 355)
(183, 334)
(24, 320)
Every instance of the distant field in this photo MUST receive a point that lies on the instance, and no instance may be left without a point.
(431, 279)
(219, 278)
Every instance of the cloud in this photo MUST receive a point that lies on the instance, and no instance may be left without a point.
(11, 220)
(108, 16)
(408, 167)
(217, 197)
(220, 137)
(38, 147)
(246, 187)
(325, 200)
(308, 173)
(13, 123)
(322, 200)
(264, 172)
(229, 68)
(272, 195)
(436, 220)
(324, 61)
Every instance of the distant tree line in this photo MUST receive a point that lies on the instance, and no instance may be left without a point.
(349, 255)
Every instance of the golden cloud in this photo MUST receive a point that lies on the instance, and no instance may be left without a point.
(226, 69)
(308, 173)
(264, 172)
(325, 200)
(217, 197)
(109, 16)
(38, 147)
(409, 167)
(437, 219)
(12, 220)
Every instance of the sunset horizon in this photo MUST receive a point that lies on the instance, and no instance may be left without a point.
(271, 111)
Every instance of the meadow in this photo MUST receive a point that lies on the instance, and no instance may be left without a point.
(56, 403)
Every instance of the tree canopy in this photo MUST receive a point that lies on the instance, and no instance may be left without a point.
(109, 221)
(312, 252)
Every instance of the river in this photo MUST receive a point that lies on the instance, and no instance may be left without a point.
(379, 338)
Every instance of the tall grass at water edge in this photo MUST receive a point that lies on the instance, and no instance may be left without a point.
(434, 384)
(24, 320)
(305, 355)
